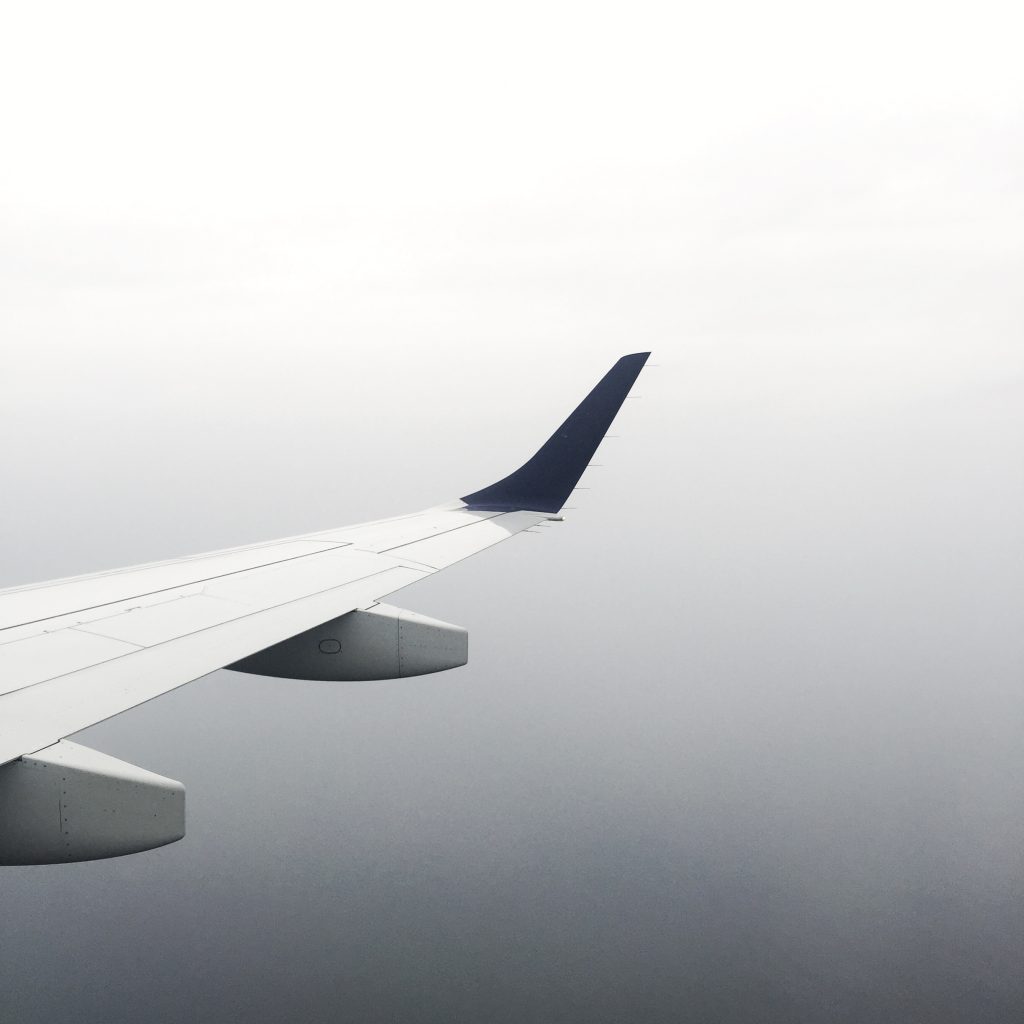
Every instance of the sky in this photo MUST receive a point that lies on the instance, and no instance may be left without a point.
(738, 741)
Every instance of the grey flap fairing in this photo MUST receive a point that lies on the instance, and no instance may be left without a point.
(70, 803)
(382, 642)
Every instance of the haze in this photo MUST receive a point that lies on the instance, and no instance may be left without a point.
(739, 741)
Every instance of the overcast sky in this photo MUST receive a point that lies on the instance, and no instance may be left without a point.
(740, 741)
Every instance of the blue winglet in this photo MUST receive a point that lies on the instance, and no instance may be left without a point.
(545, 482)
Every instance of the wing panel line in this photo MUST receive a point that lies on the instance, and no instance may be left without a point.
(179, 586)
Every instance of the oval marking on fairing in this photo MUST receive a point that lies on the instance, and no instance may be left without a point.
(330, 646)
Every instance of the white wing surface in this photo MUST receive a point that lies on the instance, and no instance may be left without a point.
(76, 651)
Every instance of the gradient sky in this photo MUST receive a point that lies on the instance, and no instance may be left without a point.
(739, 741)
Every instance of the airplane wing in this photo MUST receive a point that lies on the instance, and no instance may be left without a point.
(74, 652)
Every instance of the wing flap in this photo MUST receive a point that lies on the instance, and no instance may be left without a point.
(289, 581)
(452, 546)
(38, 658)
(147, 627)
(32, 604)
(392, 533)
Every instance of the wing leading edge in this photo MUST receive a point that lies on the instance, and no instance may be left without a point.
(75, 652)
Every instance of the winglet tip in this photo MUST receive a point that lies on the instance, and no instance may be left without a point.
(543, 483)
